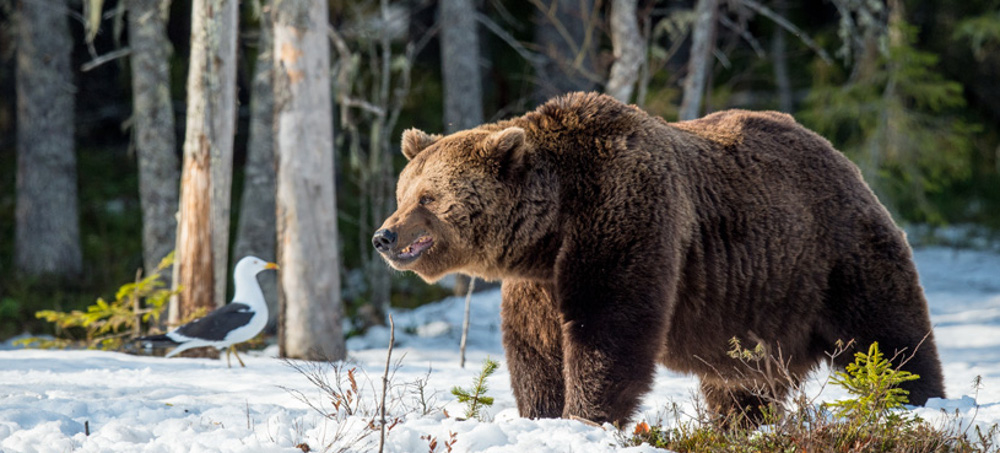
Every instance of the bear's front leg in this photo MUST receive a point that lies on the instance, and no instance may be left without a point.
(532, 341)
(614, 325)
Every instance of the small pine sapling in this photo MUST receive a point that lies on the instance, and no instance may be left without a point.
(874, 382)
(475, 399)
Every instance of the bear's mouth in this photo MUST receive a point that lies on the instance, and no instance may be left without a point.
(415, 249)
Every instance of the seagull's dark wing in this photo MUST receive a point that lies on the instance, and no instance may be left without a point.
(217, 324)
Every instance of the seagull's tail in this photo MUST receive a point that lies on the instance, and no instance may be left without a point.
(156, 340)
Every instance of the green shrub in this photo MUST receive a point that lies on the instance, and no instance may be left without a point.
(109, 325)
(872, 420)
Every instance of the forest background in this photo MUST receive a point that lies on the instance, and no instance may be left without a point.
(909, 90)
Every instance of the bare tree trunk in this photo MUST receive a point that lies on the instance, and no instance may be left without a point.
(700, 61)
(256, 233)
(567, 41)
(463, 86)
(203, 232)
(629, 50)
(779, 52)
(47, 222)
(159, 175)
(306, 206)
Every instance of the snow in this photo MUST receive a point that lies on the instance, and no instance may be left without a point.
(50, 400)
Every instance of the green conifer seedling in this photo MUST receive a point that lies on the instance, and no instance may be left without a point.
(475, 399)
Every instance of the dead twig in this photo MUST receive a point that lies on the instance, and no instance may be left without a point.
(465, 322)
(385, 382)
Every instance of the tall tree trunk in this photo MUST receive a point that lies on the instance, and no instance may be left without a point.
(463, 86)
(159, 174)
(700, 61)
(203, 232)
(567, 40)
(306, 206)
(256, 233)
(779, 53)
(46, 220)
(629, 50)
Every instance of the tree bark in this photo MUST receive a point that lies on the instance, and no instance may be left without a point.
(566, 39)
(463, 86)
(700, 61)
(203, 232)
(47, 238)
(306, 206)
(159, 175)
(629, 50)
(256, 233)
(779, 53)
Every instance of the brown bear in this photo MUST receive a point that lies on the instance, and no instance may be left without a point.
(624, 241)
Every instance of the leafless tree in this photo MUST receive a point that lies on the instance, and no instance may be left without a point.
(306, 204)
(255, 234)
(779, 55)
(700, 61)
(629, 50)
(566, 36)
(206, 179)
(153, 114)
(47, 230)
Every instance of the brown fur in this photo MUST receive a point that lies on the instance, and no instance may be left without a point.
(624, 241)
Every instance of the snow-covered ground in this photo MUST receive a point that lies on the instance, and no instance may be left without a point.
(50, 400)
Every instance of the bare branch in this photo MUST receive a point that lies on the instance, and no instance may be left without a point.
(108, 57)
(510, 40)
(767, 12)
(465, 322)
(742, 31)
(385, 381)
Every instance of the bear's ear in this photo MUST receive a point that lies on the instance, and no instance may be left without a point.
(415, 140)
(506, 146)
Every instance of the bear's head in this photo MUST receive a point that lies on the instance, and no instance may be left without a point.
(453, 200)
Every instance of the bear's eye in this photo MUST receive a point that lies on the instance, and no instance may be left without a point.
(426, 200)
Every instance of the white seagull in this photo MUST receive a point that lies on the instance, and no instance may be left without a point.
(236, 322)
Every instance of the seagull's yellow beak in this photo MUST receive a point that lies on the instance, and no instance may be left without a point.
(271, 266)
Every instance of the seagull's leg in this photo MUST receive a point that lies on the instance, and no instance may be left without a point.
(229, 350)
(237, 354)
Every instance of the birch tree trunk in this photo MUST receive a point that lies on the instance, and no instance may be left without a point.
(159, 175)
(203, 232)
(306, 205)
(47, 228)
(629, 50)
(256, 233)
(700, 61)
(463, 86)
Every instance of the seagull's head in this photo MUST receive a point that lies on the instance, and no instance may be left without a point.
(252, 265)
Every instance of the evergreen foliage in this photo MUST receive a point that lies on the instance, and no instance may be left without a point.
(872, 420)
(874, 383)
(898, 118)
(475, 398)
(108, 325)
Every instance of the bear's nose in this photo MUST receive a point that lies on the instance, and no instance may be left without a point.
(384, 240)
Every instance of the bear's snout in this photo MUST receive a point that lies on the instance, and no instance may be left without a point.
(384, 240)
